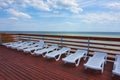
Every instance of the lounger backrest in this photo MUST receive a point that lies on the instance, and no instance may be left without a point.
(117, 58)
(23, 43)
(38, 42)
(64, 49)
(16, 43)
(19, 41)
(101, 55)
(81, 51)
(29, 43)
(41, 43)
(53, 47)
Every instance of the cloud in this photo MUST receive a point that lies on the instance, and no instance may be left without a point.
(76, 9)
(3, 4)
(10, 1)
(13, 18)
(113, 5)
(70, 5)
(43, 5)
(49, 5)
(39, 4)
(18, 13)
(68, 23)
(99, 17)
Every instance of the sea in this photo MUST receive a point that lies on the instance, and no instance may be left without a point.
(88, 34)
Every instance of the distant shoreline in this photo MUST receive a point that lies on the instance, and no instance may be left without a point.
(90, 34)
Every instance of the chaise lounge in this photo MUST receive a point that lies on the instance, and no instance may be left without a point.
(76, 57)
(45, 50)
(57, 54)
(37, 45)
(97, 61)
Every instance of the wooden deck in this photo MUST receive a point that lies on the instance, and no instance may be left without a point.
(15, 65)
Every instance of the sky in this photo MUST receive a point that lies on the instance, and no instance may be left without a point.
(60, 15)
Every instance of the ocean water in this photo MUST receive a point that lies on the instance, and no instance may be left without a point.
(88, 34)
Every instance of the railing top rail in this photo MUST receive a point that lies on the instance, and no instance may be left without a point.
(76, 37)
(71, 36)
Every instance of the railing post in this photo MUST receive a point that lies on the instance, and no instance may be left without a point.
(42, 36)
(29, 38)
(0, 39)
(19, 37)
(88, 44)
(61, 42)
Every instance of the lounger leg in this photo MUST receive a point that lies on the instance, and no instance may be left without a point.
(65, 62)
(58, 57)
(112, 75)
(101, 71)
(44, 54)
(67, 53)
(105, 60)
(102, 67)
(113, 69)
(85, 67)
(85, 56)
(78, 62)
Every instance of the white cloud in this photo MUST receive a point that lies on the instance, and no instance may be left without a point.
(113, 5)
(86, 3)
(68, 22)
(18, 13)
(70, 5)
(10, 1)
(99, 17)
(49, 5)
(13, 18)
(39, 4)
(44, 5)
(76, 9)
(3, 4)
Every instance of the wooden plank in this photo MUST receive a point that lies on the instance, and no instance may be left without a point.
(118, 45)
(103, 48)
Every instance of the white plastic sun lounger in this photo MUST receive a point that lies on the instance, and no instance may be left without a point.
(38, 45)
(25, 45)
(57, 54)
(14, 46)
(28, 47)
(116, 67)
(8, 43)
(11, 43)
(97, 61)
(76, 57)
(45, 50)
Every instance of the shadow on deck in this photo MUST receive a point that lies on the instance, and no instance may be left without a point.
(15, 65)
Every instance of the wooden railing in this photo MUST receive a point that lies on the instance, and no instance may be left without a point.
(104, 44)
